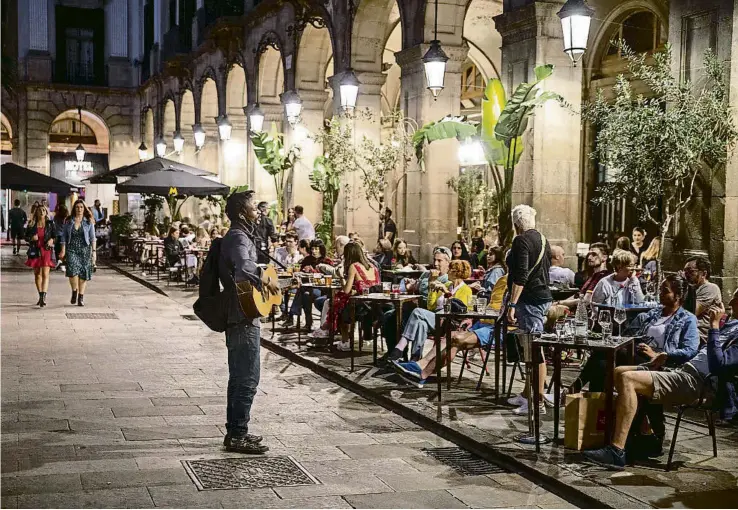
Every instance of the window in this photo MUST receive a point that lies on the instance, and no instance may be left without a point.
(80, 55)
(640, 31)
(472, 82)
(68, 131)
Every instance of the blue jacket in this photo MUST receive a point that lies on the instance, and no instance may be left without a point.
(722, 360)
(681, 338)
(237, 263)
(87, 227)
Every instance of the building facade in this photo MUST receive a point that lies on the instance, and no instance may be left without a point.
(141, 70)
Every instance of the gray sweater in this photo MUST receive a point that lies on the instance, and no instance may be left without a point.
(610, 292)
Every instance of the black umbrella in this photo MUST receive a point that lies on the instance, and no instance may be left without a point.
(19, 178)
(144, 167)
(172, 182)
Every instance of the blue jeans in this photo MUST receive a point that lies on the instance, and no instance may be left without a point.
(531, 317)
(303, 302)
(242, 342)
(420, 324)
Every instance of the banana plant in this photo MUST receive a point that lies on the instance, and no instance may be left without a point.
(327, 181)
(504, 122)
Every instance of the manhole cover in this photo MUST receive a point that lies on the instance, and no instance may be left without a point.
(462, 461)
(247, 473)
(91, 316)
(191, 317)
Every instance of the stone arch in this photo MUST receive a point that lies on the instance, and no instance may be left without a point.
(207, 74)
(8, 130)
(315, 51)
(96, 125)
(372, 25)
(483, 39)
(168, 122)
(271, 76)
(147, 125)
(236, 90)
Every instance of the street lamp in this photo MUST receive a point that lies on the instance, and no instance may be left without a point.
(199, 133)
(143, 153)
(224, 127)
(471, 152)
(178, 142)
(161, 147)
(80, 151)
(255, 116)
(292, 106)
(434, 62)
(349, 88)
(575, 16)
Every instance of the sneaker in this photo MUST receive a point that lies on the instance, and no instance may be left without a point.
(410, 372)
(320, 333)
(243, 445)
(523, 409)
(250, 437)
(342, 346)
(548, 399)
(608, 457)
(517, 400)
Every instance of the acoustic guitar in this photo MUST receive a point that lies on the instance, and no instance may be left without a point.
(257, 303)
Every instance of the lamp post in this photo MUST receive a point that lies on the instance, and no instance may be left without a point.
(576, 17)
(434, 61)
(143, 153)
(255, 116)
(161, 147)
(292, 106)
(199, 133)
(80, 151)
(224, 127)
(349, 88)
(178, 142)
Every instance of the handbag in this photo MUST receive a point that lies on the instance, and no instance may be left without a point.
(33, 251)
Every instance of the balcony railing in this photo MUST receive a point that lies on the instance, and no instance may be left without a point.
(177, 41)
(79, 73)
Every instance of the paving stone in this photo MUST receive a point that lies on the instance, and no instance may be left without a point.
(492, 497)
(37, 467)
(344, 485)
(39, 484)
(414, 481)
(336, 468)
(137, 497)
(189, 401)
(122, 412)
(384, 451)
(139, 478)
(125, 386)
(187, 496)
(148, 434)
(410, 499)
(330, 439)
(36, 425)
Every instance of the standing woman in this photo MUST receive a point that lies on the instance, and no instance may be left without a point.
(78, 244)
(40, 237)
(638, 244)
(60, 217)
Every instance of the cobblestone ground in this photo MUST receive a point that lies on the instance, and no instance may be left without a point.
(102, 412)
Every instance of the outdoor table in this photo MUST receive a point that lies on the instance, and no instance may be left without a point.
(330, 291)
(560, 294)
(610, 349)
(376, 299)
(395, 275)
(443, 324)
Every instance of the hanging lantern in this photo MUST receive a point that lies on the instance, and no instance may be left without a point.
(199, 133)
(143, 153)
(576, 17)
(80, 152)
(434, 62)
(255, 116)
(178, 142)
(471, 153)
(161, 147)
(349, 88)
(224, 127)
(292, 106)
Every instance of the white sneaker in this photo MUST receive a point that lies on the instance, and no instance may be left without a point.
(549, 399)
(517, 400)
(342, 346)
(319, 333)
(523, 409)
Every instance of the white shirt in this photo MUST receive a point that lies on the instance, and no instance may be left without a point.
(558, 274)
(285, 258)
(304, 228)
(657, 331)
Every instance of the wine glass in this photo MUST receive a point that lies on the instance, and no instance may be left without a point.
(605, 322)
(560, 324)
(620, 317)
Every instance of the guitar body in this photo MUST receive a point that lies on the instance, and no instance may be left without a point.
(256, 303)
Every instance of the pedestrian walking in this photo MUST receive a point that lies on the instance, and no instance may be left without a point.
(40, 236)
(237, 263)
(60, 217)
(18, 219)
(79, 247)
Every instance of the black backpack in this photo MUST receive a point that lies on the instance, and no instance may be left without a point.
(212, 305)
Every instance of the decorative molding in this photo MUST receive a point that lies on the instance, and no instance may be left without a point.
(270, 39)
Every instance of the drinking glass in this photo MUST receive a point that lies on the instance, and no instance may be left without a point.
(386, 288)
(605, 321)
(472, 303)
(606, 332)
(620, 317)
(481, 305)
(560, 326)
(395, 289)
(569, 327)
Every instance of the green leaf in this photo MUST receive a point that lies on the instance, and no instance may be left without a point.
(442, 130)
(543, 72)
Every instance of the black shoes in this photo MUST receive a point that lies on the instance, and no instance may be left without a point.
(41, 299)
(645, 446)
(245, 445)
(80, 300)
(74, 297)
(250, 437)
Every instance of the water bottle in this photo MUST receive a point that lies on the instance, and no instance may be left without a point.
(580, 319)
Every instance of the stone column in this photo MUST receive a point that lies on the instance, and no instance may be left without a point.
(116, 43)
(548, 176)
(431, 206)
(34, 14)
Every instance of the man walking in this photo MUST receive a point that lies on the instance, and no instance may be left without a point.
(17, 223)
(237, 263)
(303, 226)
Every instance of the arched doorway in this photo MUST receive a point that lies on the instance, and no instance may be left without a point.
(6, 196)
(207, 156)
(235, 158)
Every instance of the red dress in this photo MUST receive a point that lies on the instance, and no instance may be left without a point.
(341, 299)
(44, 258)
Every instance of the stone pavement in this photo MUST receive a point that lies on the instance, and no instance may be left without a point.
(699, 480)
(102, 412)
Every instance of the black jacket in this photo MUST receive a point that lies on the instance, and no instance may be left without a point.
(49, 232)
(173, 251)
(238, 264)
(526, 248)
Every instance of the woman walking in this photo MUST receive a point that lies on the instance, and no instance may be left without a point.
(60, 217)
(40, 237)
(78, 245)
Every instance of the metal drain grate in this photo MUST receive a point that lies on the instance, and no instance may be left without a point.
(91, 316)
(463, 462)
(247, 473)
(191, 317)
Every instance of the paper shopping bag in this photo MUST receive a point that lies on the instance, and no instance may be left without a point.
(584, 418)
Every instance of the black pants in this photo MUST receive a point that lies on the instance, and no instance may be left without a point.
(595, 369)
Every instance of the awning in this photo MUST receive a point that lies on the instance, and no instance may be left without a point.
(145, 167)
(19, 178)
(168, 182)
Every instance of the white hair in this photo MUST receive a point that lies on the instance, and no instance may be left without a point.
(524, 217)
(342, 240)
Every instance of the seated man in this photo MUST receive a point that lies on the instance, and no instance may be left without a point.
(681, 386)
(441, 261)
(595, 271)
(559, 274)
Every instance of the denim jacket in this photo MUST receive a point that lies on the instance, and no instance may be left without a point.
(681, 338)
(87, 227)
(237, 263)
(722, 359)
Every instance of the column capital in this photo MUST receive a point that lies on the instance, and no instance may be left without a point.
(529, 21)
(313, 99)
(370, 82)
(411, 59)
(272, 112)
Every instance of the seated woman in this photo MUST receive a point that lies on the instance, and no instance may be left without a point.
(459, 252)
(360, 275)
(422, 322)
(303, 299)
(173, 249)
(670, 334)
(402, 255)
(622, 287)
(497, 268)
(478, 253)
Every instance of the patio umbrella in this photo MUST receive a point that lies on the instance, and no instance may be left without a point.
(144, 167)
(172, 182)
(19, 178)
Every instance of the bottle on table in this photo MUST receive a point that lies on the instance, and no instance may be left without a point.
(581, 319)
